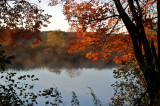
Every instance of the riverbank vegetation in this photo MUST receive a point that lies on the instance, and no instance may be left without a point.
(52, 52)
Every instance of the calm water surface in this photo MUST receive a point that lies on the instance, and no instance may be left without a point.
(77, 80)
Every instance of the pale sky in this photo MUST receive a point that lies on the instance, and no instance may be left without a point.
(57, 20)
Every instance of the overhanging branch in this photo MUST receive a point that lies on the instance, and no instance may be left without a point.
(100, 19)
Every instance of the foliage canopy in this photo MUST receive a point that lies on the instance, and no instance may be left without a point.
(21, 20)
(99, 26)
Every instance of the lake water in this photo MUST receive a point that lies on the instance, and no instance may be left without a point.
(77, 80)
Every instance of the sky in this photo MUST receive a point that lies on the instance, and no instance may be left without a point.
(57, 20)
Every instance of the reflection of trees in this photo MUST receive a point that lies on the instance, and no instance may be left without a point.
(56, 71)
(130, 88)
(71, 72)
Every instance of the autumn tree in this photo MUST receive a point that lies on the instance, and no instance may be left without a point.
(21, 20)
(101, 25)
(56, 38)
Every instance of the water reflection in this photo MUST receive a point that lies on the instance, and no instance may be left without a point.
(86, 87)
(70, 72)
(67, 81)
(69, 76)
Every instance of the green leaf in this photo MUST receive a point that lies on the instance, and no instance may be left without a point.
(53, 95)
(28, 76)
(47, 102)
(32, 76)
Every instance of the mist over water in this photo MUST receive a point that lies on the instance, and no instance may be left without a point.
(52, 57)
(54, 67)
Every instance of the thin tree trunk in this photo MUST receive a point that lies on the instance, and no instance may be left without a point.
(158, 33)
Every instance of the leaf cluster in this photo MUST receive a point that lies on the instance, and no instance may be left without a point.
(4, 59)
(20, 21)
(128, 88)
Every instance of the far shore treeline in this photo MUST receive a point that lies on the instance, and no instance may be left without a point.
(51, 52)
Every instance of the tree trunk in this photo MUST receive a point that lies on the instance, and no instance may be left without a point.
(155, 100)
(154, 92)
(147, 64)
